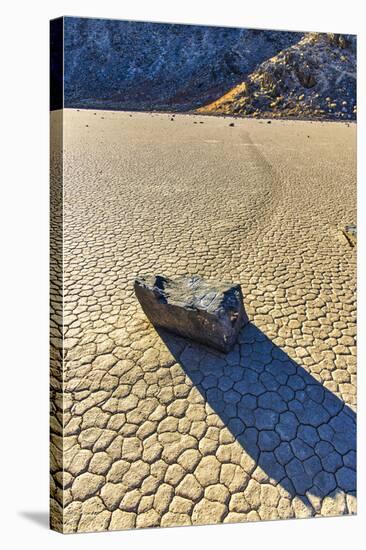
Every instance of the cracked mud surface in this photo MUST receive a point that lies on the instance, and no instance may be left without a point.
(160, 431)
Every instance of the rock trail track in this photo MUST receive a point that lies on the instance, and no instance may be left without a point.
(160, 431)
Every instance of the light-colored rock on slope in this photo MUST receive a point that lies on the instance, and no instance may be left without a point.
(314, 78)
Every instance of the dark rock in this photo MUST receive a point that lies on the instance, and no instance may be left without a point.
(231, 124)
(351, 228)
(350, 232)
(210, 313)
(306, 78)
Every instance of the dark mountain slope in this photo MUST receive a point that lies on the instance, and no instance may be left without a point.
(132, 65)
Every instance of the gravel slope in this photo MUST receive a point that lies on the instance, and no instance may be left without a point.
(314, 79)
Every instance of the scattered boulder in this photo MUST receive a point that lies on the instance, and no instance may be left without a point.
(350, 232)
(306, 78)
(204, 311)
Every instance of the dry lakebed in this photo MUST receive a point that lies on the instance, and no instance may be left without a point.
(159, 430)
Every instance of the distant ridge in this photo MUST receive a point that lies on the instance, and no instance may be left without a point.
(315, 78)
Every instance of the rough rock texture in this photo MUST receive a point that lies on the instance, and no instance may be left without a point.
(210, 313)
(314, 78)
(143, 66)
(151, 66)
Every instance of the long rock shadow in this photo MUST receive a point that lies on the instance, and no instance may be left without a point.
(297, 431)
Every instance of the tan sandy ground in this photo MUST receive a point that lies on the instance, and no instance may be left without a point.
(159, 430)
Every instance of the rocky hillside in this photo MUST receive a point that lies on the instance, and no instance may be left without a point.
(314, 78)
(145, 66)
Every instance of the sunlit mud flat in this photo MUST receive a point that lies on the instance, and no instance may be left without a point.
(160, 430)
